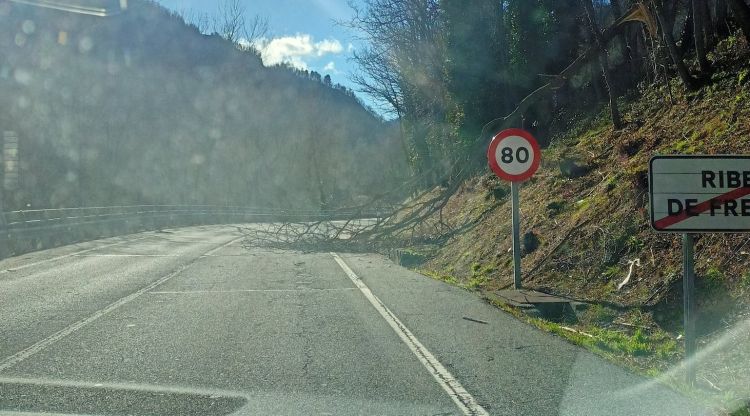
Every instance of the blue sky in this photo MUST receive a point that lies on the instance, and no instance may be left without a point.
(301, 32)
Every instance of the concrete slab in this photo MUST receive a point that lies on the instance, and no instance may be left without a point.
(528, 298)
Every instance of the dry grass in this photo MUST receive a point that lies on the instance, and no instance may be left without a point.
(590, 228)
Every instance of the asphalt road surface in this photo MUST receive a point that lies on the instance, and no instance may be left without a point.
(189, 322)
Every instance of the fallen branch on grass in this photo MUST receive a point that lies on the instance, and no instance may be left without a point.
(577, 331)
(633, 263)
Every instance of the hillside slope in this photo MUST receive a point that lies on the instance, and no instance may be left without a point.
(141, 107)
(585, 220)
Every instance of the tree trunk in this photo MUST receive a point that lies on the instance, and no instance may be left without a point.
(628, 44)
(674, 53)
(741, 13)
(622, 38)
(687, 36)
(699, 12)
(720, 19)
(608, 79)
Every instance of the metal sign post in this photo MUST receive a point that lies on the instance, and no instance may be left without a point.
(698, 194)
(516, 235)
(514, 155)
(688, 298)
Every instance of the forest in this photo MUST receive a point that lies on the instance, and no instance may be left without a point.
(455, 72)
(145, 108)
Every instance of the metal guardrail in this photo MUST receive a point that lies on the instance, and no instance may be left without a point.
(28, 230)
(56, 216)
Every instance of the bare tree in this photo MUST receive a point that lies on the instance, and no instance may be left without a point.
(256, 30)
(230, 22)
(604, 62)
(379, 80)
(202, 21)
(699, 31)
(403, 69)
(666, 29)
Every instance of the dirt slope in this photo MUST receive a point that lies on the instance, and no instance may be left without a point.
(587, 209)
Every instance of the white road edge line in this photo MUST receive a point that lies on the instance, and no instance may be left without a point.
(65, 256)
(57, 336)
(223, 246)
(462, 398)
(128, 255)
(191, 292)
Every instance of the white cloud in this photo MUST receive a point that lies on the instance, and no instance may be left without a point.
(294, 49)
(328, 46)
(330, 67)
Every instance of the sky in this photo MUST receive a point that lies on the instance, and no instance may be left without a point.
(303, 33)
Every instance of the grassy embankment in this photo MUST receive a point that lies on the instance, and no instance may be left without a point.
(587, 208)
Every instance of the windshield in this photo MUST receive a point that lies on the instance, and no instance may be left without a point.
(397, 207)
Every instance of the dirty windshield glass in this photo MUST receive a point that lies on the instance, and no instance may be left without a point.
(374, 207)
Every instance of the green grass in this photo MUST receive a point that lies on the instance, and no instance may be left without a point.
(598, 314)
(745, 280)
(612, 182)
(612, 272)
(713, 273)
(441, 277)
(480, 276)
(614, 344)
(743, 75)
(714, 281)
(618, 342)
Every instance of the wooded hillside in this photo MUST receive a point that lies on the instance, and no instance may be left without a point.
(455, 72)
(142, 108)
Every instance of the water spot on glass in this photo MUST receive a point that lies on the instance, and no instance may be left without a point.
(197, 159)
(20, 39)
(215, 134)
(71, 176)
(24, 102)
(22, 76)
(90, 154)
(28, 27)
(113, 68)
(233, 107)
(45, 63)
(85, 45)
(62, 38)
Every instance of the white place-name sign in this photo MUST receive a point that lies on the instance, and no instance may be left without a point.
(695, 194)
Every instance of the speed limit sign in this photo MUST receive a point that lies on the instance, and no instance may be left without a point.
(514, 155)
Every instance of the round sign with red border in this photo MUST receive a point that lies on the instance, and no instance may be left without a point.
(514, 155)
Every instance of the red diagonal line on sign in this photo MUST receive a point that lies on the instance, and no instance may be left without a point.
(702, 207)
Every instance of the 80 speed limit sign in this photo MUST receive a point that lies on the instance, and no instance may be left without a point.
(514, 155)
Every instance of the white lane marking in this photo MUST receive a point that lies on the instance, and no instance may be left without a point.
(189, 292)
(221, 247)
(46, 382)
(128, 255)
(462, 398)
(77, 253)
(57, 336)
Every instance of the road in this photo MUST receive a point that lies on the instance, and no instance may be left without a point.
(190, 322)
